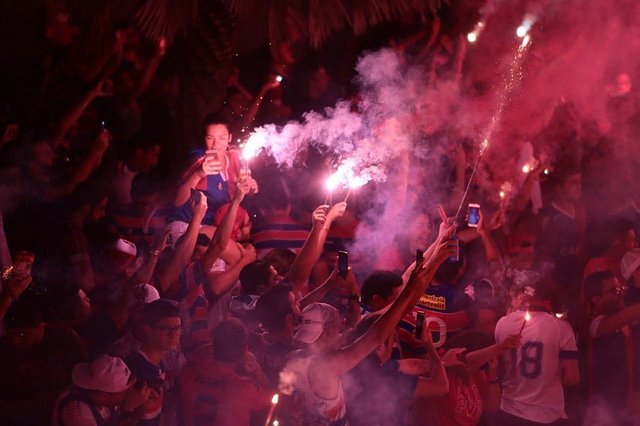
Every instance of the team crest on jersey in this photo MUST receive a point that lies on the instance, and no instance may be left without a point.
(438, 303)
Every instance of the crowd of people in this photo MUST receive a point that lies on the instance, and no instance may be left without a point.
(146, 281)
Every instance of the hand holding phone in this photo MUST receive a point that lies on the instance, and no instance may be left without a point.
(474, 215)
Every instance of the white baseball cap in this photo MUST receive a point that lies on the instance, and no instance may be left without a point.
(313, 321)
(105, 373)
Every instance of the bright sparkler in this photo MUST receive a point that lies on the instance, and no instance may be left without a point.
(472, 37)
(274, 403)
(521, 31)
(515, 74)
(527, 317)
(346, 177)
(526, 25)
(255, 142)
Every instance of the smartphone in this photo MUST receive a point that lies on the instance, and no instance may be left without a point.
(343, 263)
(419, 324)
(419, 255)
(474, 215)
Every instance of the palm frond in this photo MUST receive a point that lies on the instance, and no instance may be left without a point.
(166, 18)
(319, 19)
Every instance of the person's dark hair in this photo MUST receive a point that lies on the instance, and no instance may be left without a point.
(448, 271)
(23, 313)
(546, 290)
(214, 118)
(229, 340)
(281, 259)
(593, 283)
(380, 283)
(273, 307)
(254, 275)
(158, 309)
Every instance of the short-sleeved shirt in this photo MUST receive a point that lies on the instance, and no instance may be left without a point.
(278, 232)
(532, 385)
(447, 302)
(218, 188)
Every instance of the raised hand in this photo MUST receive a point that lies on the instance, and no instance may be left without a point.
(447, 226)
(336, 211)
(243, 187)
(319, 215)
(211, 165)
(199, 205)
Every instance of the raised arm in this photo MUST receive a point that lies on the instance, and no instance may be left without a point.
(312, 248)
(144, 273)
(185, 246)
(447, 226)
(348, 357)
(62, 127)
(149, 71)
(491, 251)
(222, 234)
(438, 383)
(254, 106)
(90, 163)
(221, 282)
(612, 323)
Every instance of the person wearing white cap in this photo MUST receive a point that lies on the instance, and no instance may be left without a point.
(99, 387)
(312, 376)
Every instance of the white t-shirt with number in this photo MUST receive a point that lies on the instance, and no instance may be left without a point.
(532, 383)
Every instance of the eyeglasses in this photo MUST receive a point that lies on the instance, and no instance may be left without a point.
(169, 331)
